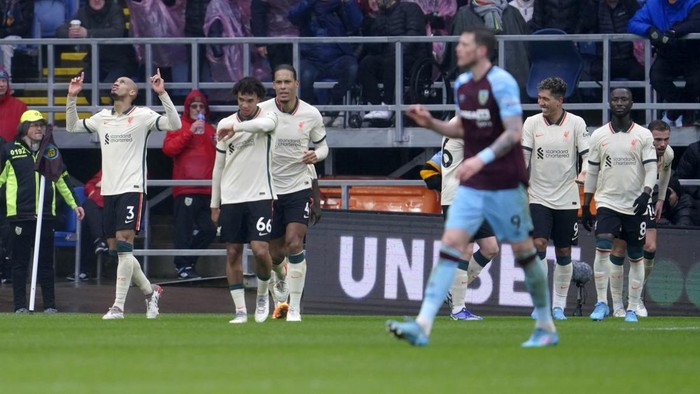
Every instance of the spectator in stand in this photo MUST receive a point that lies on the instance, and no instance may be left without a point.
(525, 7)
(611, 17)
(567, 15)
(319, 61)
(16, 20)
(678, 207)
(102, 19)
(193, 153)
(195, 11)
(162, 18)
(11, 108)
(504, 19)
(92, 236)
(664, 22)
(689, 168)
(269, 19)
(439, 15)
(395, 18)
(231, 19)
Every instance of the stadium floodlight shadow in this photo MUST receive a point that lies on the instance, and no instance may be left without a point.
(582, 273)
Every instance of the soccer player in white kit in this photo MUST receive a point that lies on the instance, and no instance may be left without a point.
(661, 132)
(552, 142)
(123, 133)
(298, 123)
(471, 264)
(622, 174)
(243, 195)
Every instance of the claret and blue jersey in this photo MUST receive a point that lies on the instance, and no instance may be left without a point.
(482, 105)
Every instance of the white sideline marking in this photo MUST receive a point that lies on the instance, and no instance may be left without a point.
(662, 329)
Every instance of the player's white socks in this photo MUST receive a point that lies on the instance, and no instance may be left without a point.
(238, 295)
(280, 269)
(601, 265)
(125, 271)
(617, 278)
(562, 281)
(459, 289)
(296, 276)
(139, 278)
(474, 269)
(263, 285)
(545, 266)
(636, 284)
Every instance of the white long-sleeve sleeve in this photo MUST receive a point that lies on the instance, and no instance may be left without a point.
(172, 118)
(73, 123)
(321, 150)
(216, 179)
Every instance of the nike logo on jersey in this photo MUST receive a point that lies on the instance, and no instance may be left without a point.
(539, 135)
(128, 221)
(604, 144)
(262, 234)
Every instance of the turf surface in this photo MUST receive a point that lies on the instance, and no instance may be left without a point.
(202, 353)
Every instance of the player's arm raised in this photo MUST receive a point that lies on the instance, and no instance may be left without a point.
(423, 118)
(73, 123)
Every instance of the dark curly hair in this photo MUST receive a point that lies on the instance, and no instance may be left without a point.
(555, 85)
(249, 85)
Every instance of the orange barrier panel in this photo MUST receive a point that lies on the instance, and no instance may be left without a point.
(415, 199)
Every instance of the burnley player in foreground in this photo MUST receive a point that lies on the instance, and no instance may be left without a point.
(492, 185)
(123, 133)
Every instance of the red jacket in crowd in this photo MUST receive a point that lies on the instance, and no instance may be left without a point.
(93, 189)
(193, 154)
(11, 110)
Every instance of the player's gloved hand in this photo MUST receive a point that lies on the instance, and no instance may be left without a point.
(640, 204)
(587, 219)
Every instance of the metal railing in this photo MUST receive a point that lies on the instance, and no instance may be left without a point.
(51, 86)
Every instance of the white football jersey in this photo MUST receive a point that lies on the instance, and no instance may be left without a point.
(289, 141)
(247, 174)
(555, 150)
(123, 140)
(663, 168)
(452, 156)
(621, 157)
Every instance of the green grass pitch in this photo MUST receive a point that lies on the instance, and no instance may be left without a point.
(202, 353)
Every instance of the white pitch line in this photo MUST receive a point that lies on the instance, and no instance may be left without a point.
(662, 329)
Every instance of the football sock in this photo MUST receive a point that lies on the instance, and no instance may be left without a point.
(476, 264)
(459, 286)
(437, 287)
(280, 269)
(536, 283)
(617, 278)
(139, 278)
(562, 280)
(125, 271)
(295, 279)
(636, 284)
(601, 264)
(263, 284)
(238, 295)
